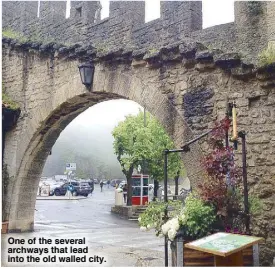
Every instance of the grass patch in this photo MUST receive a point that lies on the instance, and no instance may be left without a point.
(9, 33)
(8, 101)
(267, 56)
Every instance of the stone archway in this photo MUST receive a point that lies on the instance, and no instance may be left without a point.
(184, 87)
(53, 103)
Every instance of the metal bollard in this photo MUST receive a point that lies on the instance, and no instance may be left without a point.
(180, 248)
(256, 261)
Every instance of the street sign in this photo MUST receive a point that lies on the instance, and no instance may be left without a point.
(70, 166)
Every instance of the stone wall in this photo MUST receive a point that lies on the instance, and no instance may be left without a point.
(160, 65)
(125, 27)
(185, 86)
(126, 212)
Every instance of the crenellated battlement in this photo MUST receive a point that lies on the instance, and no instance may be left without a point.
(253, 27)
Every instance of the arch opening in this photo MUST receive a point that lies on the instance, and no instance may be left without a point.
(65, 106)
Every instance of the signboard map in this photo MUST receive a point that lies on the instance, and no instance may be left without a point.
(70, 166)
(223, 244)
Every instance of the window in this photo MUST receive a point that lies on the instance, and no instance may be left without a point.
(79, 11)
(145, 191)
(136, 182)
(136, 191)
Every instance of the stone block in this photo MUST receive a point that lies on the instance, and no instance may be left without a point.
(266, 193)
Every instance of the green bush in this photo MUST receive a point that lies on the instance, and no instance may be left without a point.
(197, 218)
(267, 56)
(9, 33)
(153, 216)
(255, 204)
(7, 100)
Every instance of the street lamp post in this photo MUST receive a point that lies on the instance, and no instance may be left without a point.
(86, 71)
(165, 201)
(184, 148)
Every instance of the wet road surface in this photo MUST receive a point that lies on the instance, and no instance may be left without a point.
(120, 241)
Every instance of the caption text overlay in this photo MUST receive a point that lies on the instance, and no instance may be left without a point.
(37, 250)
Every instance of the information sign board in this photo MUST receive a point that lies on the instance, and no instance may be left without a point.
(70, 166)
(223, 244)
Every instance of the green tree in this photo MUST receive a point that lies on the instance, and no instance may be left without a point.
(135, 143)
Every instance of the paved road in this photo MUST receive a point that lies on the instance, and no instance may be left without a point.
(119, 240)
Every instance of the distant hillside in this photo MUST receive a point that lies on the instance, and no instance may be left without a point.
(88, 141)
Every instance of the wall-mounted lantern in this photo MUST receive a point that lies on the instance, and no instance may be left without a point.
(86, 71)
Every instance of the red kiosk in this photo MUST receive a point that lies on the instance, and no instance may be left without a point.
(140, 189)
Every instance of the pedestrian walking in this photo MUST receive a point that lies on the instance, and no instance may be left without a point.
(101, 185)
(71, 188)
(125, 193)
(108, 183)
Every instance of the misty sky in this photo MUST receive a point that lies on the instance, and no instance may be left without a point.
(107, 113)
(90, 134)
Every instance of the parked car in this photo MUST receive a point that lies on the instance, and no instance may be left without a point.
(90, 182)
(84, 189)
(96, 181)
(62, 189)
(80, 188)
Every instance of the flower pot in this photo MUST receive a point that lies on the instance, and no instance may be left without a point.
(202, 259)
(5, 227)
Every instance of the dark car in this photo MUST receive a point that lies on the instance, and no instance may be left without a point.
(84, 189)
(79, 188)
(90, 182)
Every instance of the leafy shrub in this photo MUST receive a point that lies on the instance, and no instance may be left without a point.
(14, 35)
(197, 218)
(7, 101)
(267, 56)
(153, 216)
(255, 204)
(222, 178)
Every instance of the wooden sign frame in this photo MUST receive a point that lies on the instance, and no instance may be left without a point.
(232, 257)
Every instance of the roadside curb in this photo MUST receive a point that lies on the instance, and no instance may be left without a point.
(61, 198)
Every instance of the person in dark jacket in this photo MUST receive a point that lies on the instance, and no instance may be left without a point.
(125, 193)
(92, 184)
(101, 185)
